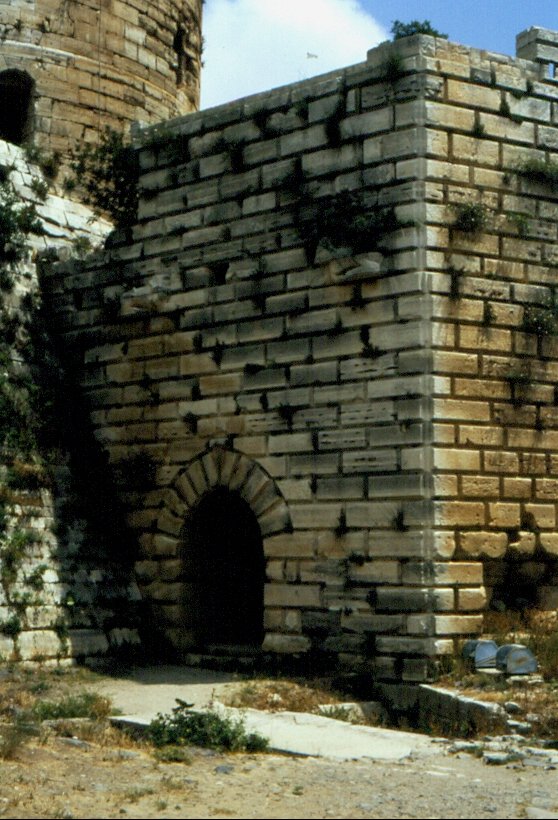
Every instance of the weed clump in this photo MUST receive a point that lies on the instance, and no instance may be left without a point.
(539, 171)
(392, 68)
(343, 221)
(185, 727)
(471, 218)
(542, 321)
(84, 705)
(13, 736)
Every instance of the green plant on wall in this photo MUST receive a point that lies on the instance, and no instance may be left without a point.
(107, 173)
(399, 29)
(542, 320)
(539, 171)
(342, 221)
(470, 217)
(16, 222)
(393, 67)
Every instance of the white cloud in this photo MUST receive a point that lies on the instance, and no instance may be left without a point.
(256, 45)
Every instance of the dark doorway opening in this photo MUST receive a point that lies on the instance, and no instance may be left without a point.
(16, 106)
(223, 572)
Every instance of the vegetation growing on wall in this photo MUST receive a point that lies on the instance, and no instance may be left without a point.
(470, 217)
(41, 426)
(342, 221)
(399, 29)
(16, 222)
(107, 174)
(539, 171)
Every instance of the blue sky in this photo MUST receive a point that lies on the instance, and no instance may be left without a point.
(255, 45)
(490, 24)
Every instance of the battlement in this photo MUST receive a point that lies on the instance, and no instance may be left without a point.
(540, 45)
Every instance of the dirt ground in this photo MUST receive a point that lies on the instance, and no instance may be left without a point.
(81, 770)
(65, 779)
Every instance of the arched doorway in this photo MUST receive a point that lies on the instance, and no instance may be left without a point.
(16, 106)
(223, 570)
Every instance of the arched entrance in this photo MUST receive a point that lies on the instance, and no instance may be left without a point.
(223, 571)
(16, 105)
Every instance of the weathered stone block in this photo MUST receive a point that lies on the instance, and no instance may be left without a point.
(488, 544)
(292, 595)
(452, 572)
(404, 599)
(39, 644)
(285, 644)
(458, 624)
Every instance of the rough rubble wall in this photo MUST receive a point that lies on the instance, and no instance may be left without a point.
(59, 600)
(102, 63)
(223, 330)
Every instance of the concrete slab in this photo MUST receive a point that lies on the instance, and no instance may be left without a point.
(299, 733)
(148, 692)
(154, 689)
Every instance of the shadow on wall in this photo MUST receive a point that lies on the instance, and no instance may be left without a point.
(17, 90)
(223, 568)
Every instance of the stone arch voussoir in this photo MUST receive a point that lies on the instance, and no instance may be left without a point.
(220, 467)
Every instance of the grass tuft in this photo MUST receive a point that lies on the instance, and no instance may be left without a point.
(208, 729)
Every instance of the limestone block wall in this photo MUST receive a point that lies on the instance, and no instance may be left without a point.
(338, 303)
(96, 64)
(493, 133)
(235, 338)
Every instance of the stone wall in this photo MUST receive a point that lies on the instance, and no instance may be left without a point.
(62, 596)
(310, 313)
(495, 367)
(98, 64)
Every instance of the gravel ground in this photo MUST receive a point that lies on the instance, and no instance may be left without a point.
(67, 778)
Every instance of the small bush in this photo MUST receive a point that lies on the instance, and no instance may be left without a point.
(399, 29)
(84, 705)
(543, 641)
(343, 221)
(185, 727)
(26, 476)
(40, 188)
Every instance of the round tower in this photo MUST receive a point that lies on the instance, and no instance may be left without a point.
(68, 68)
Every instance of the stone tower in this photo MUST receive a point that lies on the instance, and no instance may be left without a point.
(68, 68)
